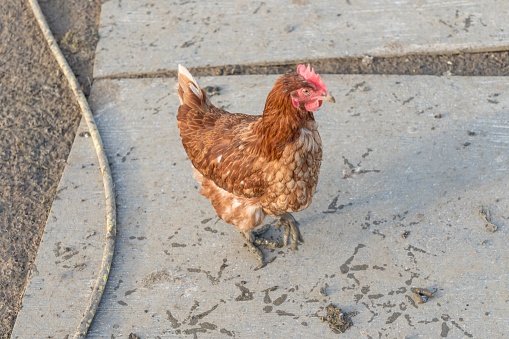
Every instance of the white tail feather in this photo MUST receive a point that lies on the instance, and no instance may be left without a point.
(192, 83)
(190, 92)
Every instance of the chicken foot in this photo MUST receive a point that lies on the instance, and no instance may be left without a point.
(253, 241)
(291, 229)
(261, 241)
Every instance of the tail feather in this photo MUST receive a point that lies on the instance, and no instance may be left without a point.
(190, 93)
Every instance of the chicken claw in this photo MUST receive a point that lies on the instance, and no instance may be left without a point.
(291, 231)
(291, 227)
(253, 242)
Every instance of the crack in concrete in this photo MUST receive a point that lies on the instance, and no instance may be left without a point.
(409, 64)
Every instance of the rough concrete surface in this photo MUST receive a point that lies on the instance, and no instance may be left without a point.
(407, 163)
(143, 37)
(390, 165)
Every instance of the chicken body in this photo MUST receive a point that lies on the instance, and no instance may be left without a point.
(252, 166)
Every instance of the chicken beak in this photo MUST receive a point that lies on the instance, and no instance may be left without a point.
(328, 98)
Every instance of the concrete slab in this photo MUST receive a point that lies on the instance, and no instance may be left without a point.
(69, 256)
(407, 162)
(147, 36)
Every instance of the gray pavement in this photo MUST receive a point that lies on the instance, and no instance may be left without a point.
(407, 163)
(149, 36)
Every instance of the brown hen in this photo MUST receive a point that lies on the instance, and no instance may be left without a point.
(250, 166)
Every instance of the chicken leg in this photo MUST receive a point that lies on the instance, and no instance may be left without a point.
(291, 230)
(253, 240)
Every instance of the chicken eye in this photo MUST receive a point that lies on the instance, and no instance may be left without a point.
(306, 92)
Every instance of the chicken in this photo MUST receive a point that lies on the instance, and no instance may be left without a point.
(250, 166)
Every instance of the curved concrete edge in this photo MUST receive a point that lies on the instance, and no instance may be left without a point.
(70, 252)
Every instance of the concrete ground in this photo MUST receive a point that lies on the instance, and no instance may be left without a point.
(408, 163)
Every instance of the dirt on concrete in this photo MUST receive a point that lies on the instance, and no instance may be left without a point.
(337, 320)
(460, 64)
(39, 117)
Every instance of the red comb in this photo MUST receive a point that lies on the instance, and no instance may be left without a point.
(309, 74)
